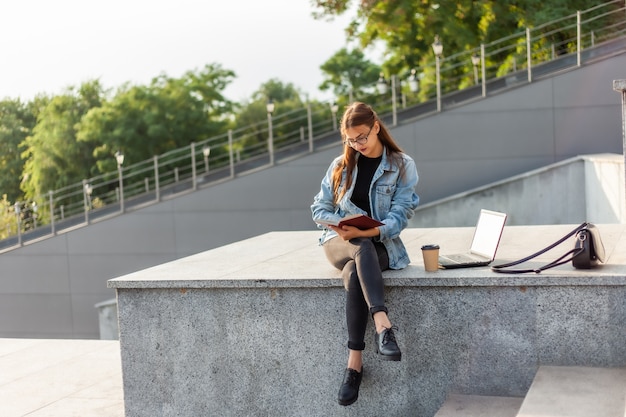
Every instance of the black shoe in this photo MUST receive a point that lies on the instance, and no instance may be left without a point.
(349, 391)
(386, 345)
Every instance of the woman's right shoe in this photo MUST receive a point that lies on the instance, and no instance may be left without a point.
(386, 345)
(349, 391)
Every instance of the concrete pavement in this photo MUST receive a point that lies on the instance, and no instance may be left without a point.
(60, 378)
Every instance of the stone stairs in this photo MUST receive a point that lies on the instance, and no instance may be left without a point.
(556, 391)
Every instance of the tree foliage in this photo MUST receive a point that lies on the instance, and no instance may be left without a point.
(53, 156)
(348, 73)
(144, 121)
(16, 122)
(407, 28)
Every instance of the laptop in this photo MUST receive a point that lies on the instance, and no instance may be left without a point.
(484, 243)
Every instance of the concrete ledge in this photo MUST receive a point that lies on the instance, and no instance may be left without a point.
(257, 327)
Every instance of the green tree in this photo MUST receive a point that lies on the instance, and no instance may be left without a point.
(407, 28)
(53, 156)
(288, 117)
(7, 218)
(144, 121)
(348, 73)
(16, 123)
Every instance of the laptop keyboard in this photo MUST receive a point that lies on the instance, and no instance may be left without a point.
(458, 258)
(462, 259)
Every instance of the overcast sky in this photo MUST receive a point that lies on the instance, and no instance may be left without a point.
(47, 45)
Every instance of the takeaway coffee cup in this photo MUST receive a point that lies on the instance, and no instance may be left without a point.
(431, 257)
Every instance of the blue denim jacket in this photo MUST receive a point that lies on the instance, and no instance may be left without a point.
(392, 201)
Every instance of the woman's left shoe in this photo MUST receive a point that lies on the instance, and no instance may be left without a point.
(386, 345)
(349, 390)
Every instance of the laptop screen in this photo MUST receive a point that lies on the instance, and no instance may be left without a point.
(487, 233)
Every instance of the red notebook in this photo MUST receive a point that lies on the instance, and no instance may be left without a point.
(361, 221)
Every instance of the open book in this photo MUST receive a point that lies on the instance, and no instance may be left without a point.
(361, 221)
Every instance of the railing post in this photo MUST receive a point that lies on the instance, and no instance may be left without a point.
(578, 36)
(157, 190)
(482, 68)
(18, 221)
(194, 179)
(86, 204)
(529, 56)
(310, 125)
(438, 81)
(51, 203)
(270, 137)
(620, 86)
(121, 187)
(394, 104)
(230, 153)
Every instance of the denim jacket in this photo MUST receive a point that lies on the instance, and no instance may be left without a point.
(392, 201)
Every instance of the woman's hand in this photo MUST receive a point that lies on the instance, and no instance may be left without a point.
(351, 232)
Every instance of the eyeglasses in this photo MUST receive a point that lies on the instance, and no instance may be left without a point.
(361, 140)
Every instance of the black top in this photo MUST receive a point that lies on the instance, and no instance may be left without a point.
(366, 167)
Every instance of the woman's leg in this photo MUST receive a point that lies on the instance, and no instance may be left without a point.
(361, 262)
(368, 267)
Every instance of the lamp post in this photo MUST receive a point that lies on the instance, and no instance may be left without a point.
(475, 62)
(35, 207)
(87, 190)
(414, 84)
(438, 50)
(18, 209)
(206, 151)
(381, 85)
(119, 157)
(270, 138)
(394, 101)
(334, 108)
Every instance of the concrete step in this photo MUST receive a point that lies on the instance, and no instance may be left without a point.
(563, 391)
(457, 405)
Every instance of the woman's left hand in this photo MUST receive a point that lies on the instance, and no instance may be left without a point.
(351, 232)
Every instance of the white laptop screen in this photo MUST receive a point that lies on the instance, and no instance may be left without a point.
(487, 233)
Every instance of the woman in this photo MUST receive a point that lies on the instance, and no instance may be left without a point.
(373, 177)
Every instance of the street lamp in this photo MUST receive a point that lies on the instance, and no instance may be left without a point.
(206, 151)
(17, 209)
(35, 207)
(119, 157)
(475, 62)
(334, 108)
(381, 85)
(88, 191)
(438, 50)
(270, 139)
(414, 84)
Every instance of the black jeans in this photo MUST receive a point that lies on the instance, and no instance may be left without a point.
(361, 261)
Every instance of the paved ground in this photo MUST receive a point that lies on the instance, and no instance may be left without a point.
(60, 378)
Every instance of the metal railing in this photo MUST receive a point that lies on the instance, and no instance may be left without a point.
(465, 76)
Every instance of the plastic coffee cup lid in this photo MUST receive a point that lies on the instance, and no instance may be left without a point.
(429, 247)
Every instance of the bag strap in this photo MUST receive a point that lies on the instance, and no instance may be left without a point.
(505, 268)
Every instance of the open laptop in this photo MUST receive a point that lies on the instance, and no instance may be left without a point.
(484, 243)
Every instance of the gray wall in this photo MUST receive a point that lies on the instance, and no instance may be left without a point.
(587, 188)
(49, 289)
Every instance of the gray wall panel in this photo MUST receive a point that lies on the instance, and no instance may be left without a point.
(34, 274)
(44, 315)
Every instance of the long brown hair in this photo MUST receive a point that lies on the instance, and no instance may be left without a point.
(358, 114)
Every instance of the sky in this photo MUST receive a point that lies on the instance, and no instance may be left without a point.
(47, 46)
